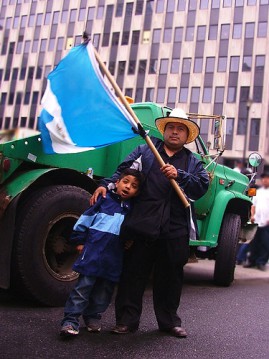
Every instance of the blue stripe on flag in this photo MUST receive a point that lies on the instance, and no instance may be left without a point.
(79, 109)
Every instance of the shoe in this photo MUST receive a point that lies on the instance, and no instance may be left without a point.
(94, 328)
(121, 329)
(178, 332)
(261, 267)
(68, 331)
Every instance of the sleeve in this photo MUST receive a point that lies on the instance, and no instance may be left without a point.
(195, 182)
(81, 227)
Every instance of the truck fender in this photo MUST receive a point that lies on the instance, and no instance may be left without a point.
(219, 208)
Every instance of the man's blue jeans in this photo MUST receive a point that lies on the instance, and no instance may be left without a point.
(90, 297)
(259, 247)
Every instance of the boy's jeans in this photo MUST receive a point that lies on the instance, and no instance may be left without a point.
(90, 297)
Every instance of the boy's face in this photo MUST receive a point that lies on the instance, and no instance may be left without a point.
(127, 187)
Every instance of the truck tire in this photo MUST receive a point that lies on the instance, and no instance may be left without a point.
(42, 255)
(226, 250)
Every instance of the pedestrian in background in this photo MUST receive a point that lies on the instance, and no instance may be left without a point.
(259, 246)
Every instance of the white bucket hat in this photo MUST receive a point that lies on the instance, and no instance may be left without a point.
(180, 116)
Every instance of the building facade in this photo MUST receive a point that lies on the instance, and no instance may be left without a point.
(205, 56)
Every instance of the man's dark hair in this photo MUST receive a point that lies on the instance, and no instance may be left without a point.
(132, 172)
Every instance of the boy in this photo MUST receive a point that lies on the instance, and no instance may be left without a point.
(100, 261)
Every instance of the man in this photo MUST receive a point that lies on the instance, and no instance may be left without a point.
(259, 246)
(161, 225)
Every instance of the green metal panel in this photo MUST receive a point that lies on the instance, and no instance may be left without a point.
(22, 181)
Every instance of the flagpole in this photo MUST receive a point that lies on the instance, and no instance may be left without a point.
(146, 137)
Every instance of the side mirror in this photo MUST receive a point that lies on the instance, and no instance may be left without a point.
(255, 159)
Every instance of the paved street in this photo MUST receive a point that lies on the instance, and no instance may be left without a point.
(230, 323)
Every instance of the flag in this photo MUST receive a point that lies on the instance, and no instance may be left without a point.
(80, 111)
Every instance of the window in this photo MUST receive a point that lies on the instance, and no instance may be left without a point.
(64, 17)
(249, 30)
(175, 66)
(172, 93)
(189, 33)
(178, 34)
(215, 4)
(156, 39)
(100, 12)
(227, 3)
(219, 94)
(201, 30)
(150, 94)
(244, 94)
(160, 95)
(254, 134)
(135, 37)
(167, 35)
(186, 66)
(198, 65)
(125, 37)
(241, 126)
(231, 94)
(47, 18)
(131, 67)
(224, 31)
(160, 6)
(56, 16)
(210, 64)
(262, 29)
(195, 94)
(246, 66)
(73, 14)
(115, 38)
(237, 31)
(81, 14)
(183, 95)
(153, 66)
(31, 20)
(207, 95)
(213, 32)
(164, 66)
(121, 67)
(60, 43)
(35, 46)
(222, 64)
(234, 64)
(203, 4)
(16, 22)
(181, 5)
(39, 19)
(239, 3)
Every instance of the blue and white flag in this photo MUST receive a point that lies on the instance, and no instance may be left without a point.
(80, 111)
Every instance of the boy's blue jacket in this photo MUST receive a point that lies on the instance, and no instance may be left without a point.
(98, 229)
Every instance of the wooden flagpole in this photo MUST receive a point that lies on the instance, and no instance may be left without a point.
(147, 138)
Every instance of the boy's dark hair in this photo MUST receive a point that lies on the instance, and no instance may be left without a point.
(132, 172)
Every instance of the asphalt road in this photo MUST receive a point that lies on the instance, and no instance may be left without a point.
(221, 322)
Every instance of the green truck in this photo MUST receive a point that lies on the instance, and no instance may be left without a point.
(41, 197)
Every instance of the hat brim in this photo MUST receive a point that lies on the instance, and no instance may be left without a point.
(192, 126)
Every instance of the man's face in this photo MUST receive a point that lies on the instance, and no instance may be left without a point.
(127, 187)
(175, 135)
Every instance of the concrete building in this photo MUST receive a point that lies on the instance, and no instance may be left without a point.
(206, 56)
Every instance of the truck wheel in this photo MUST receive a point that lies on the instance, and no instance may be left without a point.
(226, 250)
(42, 255)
